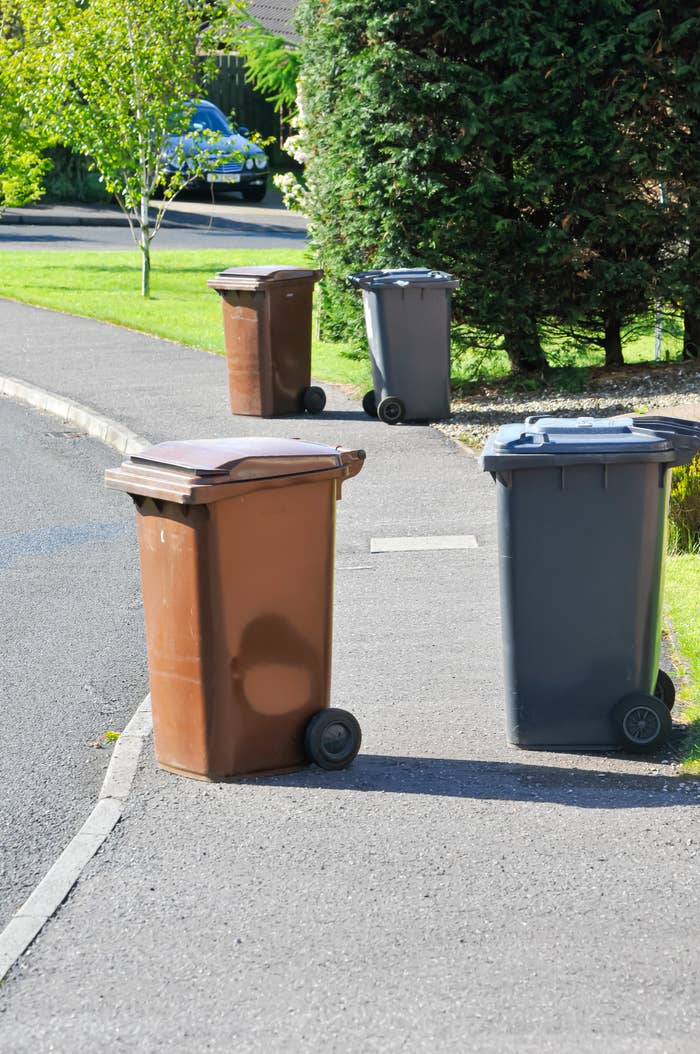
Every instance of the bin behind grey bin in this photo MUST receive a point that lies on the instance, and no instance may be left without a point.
(582, 511)
(407, 317)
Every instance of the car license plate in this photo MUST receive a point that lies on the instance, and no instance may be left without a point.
(223, 177)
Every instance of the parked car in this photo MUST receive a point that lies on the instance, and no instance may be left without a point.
(224, 157)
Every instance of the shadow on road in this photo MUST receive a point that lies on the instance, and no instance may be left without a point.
(498, 781)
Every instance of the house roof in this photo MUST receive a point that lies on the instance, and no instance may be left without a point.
(275, 15)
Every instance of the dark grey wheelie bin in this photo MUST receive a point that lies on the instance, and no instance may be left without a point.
(582, 512)
(407, 317)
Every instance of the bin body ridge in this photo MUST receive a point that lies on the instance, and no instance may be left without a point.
(236, 542)
(267, 314)
(407, 320)
(581, 573)
(582, 528)
(239, 627)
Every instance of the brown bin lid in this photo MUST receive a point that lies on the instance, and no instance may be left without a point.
(257, 277)
(176, 470)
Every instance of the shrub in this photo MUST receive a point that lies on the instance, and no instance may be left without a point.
(684, 511)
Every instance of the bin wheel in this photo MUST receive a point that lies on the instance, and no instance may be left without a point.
(391, 410)
(314, 399)
(642, 722)
(332, 738)
(369, 403)
(665, 689)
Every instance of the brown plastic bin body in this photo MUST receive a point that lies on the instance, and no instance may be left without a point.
(236, 542)
(267, 332)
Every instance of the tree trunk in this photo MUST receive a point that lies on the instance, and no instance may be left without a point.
(522, 343)
(612, 342)
(691, 334)
(145, 246)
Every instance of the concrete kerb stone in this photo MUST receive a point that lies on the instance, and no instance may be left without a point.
(83, 417)
(27, 922)
(29, 919)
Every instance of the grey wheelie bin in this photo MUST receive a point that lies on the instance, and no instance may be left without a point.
(407, 317)
(582, 512)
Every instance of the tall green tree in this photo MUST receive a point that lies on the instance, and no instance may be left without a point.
(510, 143)
(673, 76)
(22, 164)
(113, 81)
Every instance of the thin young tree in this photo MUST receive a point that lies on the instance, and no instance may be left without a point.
(114, 80)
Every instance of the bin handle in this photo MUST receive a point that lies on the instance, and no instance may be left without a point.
(685, 436)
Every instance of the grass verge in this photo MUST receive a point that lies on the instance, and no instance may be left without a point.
(681, 602)
(105, 286)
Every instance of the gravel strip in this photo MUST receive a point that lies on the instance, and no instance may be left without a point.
(631, 390)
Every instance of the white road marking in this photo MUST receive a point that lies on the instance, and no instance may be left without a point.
(430, 543)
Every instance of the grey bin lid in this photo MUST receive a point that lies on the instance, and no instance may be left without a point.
(402, 277)
(564, 441)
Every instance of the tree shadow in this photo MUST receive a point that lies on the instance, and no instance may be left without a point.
(498, 781)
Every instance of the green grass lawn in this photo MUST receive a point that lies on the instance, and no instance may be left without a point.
(681, 603)
(105, 286)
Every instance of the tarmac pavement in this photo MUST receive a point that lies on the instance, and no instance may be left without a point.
(446, 892)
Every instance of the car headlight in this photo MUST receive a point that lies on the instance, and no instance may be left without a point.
(260, 161)
(249, 163)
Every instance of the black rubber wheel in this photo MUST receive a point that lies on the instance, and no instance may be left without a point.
(665, 689)
(314, 399)
(391, 410)
(642, 723)
(332, 738)
(369, 403)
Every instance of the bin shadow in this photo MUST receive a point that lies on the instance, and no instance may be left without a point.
(498, 781)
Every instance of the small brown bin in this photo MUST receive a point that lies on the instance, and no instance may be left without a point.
(236, 539)
(267, 330)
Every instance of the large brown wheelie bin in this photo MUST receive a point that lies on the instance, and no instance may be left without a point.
(236, 540)
(267, 331)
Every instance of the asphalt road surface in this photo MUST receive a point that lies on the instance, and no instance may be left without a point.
(192, 222)
(73, 662)
(81, 237)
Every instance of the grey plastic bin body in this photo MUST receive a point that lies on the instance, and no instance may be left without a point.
(407, 317)
(582, 512)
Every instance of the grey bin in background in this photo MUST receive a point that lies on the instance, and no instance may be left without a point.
(582, 511)
(407, 316)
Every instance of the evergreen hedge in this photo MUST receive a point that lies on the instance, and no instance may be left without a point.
(519, 145)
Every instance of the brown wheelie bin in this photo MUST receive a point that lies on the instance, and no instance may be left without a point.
(236, 540)
(267, 331)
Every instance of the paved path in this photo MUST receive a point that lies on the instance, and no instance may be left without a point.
(446, 892)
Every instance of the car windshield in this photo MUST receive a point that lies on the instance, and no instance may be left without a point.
(203, 117)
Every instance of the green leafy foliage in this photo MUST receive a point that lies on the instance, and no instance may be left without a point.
(684, 511)
(272, 64)
(519, 145)
(112, 79)
(22, 164)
